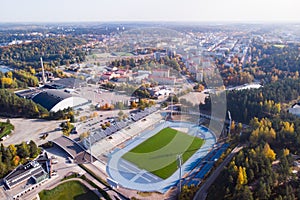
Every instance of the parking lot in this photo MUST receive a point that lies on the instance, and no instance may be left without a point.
(94, 123)
(96, 95)
(32, 129)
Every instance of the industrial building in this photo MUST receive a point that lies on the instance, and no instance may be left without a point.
(66, 83)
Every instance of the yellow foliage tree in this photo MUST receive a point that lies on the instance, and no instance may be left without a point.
(94, 114)
(240, 127)
(232, 126)
(272, 133)
(255, 122)
(134, 104)
(16, 160)
(84, 135)
(263, 130)
(6, 81)
(32, 70)
(12, 149)
(288, 128)
(242, 176)
(9, 74)
(254, 136)
(286, 152)
(268, 152)
(83, 118)
(277, 107)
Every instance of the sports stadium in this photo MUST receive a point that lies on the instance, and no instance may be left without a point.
(149, 161)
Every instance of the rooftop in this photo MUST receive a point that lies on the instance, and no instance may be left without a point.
(49, 98)
(66, 83)
(23, 173)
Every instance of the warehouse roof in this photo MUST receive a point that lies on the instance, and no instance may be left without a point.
(66, 83)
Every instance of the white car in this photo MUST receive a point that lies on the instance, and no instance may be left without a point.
(54, 161)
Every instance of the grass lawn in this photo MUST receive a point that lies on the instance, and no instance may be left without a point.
(158, 154)
(72, 190)
(5, 129)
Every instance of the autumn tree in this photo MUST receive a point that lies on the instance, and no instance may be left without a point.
(268, 152)
(242, 176)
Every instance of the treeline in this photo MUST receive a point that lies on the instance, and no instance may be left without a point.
(265, 101)
(55, 52)
(148, 63)
(18, 79)
(263, 169)
(13, 155)
(13, 106)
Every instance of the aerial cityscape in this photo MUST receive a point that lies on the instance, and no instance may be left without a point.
(149, 100)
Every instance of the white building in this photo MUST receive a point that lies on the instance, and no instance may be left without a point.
(55, 100)
(163, 80)
(161, 73)
(295, 109)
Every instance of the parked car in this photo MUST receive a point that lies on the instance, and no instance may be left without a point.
(54, 161)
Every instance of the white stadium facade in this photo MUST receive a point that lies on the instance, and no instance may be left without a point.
(55, 100)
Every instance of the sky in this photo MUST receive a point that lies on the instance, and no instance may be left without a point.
(149, 10)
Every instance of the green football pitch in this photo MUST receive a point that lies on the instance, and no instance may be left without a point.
(158, 154)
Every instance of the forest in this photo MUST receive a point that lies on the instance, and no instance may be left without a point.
(270, 57)
(265, 101)
(13, 106)
(264, 168)
(55, 52)
(269, 63)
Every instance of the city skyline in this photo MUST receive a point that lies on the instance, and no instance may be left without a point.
(154, 10)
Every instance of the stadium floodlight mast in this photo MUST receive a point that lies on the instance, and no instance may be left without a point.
(172, 106)
(179, 164)
(230, 121)
(90, 148)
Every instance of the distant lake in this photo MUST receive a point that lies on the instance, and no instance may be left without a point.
(5, 69)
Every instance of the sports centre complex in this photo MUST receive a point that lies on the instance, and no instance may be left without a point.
(162, 156)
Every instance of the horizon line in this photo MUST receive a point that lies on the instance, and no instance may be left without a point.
(157, 21)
